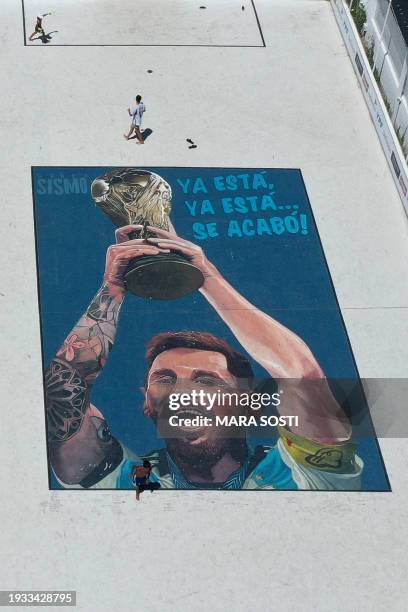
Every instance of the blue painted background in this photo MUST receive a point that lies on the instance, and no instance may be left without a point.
(286, 276)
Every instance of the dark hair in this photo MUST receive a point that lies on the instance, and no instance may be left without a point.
(146, 463)
(138, 98)
(237, 363)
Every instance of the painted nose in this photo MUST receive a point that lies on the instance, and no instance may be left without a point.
(99, 188)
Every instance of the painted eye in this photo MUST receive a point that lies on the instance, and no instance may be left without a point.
(166, 380)
(104, 433)
(208, 381)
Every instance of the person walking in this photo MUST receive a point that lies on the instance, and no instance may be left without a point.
(137, 115)
(39, 26)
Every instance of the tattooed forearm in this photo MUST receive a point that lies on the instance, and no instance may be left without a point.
(66, 400)
(78, 362)
(88, 346)
(105, 305)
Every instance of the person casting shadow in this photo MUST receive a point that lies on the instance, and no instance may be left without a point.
(140, 478)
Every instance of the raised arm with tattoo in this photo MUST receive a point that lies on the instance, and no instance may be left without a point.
(78, 362)
(79, 439)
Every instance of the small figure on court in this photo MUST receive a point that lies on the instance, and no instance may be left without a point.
(137, 115)
(39, 26)
(140, 478)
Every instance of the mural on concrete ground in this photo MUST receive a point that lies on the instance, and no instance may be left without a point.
(188, 318)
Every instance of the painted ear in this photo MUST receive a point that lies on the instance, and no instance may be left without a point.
(147, 409)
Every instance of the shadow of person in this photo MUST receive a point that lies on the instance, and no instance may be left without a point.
(145, 134)
(46, 38)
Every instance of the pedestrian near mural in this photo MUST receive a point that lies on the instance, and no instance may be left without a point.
(137, 115)
(141, 478)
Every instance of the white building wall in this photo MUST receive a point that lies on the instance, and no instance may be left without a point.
(390, 60)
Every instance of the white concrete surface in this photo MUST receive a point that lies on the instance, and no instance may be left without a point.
(146, 22)
(177, 552)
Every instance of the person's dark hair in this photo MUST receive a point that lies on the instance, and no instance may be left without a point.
(138, 98)
(146, 463)
(237, 363)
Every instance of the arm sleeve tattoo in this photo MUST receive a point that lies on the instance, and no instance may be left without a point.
(77, 364)
(66, 394)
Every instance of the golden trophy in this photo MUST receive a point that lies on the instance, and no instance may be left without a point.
(131, 196)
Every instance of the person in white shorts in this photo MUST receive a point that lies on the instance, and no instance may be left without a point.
(137, 115)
